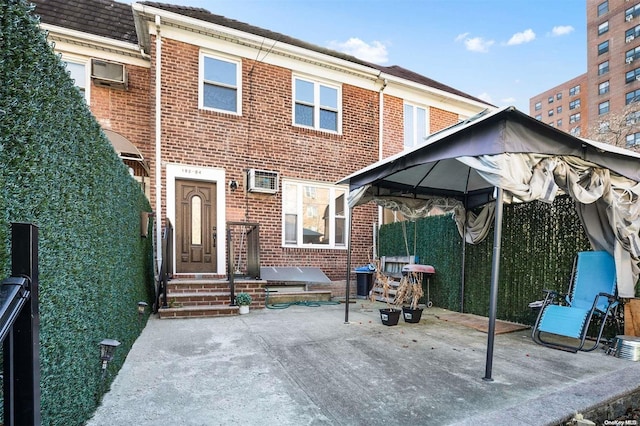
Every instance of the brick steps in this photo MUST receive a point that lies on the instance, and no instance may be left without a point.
(195, 297)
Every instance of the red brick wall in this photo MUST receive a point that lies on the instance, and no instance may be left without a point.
(264, 138)
(440, 119)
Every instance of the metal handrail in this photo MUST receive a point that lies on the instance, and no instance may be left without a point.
(166, 267)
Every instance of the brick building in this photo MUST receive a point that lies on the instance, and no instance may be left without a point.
(612, 79)
(225, 122)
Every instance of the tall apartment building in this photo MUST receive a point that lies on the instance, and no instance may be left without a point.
(612, 79)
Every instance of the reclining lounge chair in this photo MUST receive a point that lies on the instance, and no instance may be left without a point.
(592, 296)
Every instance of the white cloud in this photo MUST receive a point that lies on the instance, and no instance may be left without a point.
(461, 37)
(375, 52)
(508, 101)
(561, 30)
(478, 44)
(524, 37)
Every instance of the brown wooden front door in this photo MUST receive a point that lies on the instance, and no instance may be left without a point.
(196, 233)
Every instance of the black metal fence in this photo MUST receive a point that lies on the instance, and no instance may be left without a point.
(20, 330)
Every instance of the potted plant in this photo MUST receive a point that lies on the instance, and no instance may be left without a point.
(410, 291)
(243, 300)
(388, 315)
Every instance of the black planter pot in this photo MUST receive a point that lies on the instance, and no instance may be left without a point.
(412, 315)
(390, 316)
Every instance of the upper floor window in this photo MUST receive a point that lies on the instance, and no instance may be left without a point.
(559, 109)
(415, 125)
(632, 75)
(78, 73)
(631, 97)
(539, 117)
(574, 90)
(559, 95)
(603, 87)
(550, 113)
(574, 104)
(538, 106)
(317, 105)
(632, 12)
(632, 54)
(603, 47)
(633, 139)
(560, 122)
(603, 28)
(632, 118)
(550, 100)
(603, 68)
(603, 8)
(631, 34)
(220, 84)
(603, 107)
(574, 118)
(314, 214)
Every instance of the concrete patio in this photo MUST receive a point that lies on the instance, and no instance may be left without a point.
(306, 366)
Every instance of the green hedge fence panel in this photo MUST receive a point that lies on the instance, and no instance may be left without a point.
(58, 171)
(539, 242)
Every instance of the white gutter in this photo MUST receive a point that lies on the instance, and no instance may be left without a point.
(380, 155)
(84, 38)
(158, 145)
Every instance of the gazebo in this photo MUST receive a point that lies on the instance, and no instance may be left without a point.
(505, 156)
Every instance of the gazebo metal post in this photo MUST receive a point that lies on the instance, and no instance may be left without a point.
(346, 301)
(495, 273)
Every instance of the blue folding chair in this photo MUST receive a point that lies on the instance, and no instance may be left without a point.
(592, 296)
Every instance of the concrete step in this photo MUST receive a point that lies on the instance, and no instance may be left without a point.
(298, 296)
(198, 311)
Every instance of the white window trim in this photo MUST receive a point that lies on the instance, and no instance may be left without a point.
(238, 63)
(86, 62)
(300, 212)
(427, 122)
(316, 106)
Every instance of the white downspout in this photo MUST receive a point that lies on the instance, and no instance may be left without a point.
(380, 146)
(158, 145)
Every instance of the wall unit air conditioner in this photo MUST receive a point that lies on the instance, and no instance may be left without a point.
(629, 39)
(637, 77)
(628, 18)
(108, 74)
(263, 181)
(629, 60)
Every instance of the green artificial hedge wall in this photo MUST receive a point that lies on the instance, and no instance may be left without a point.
(59, 172)
(539, 243)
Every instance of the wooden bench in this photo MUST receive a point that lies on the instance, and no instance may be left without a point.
(391, 268)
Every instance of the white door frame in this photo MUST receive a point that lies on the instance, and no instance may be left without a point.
(207, 174)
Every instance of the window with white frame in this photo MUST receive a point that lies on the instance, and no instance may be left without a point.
(317, 105)
(314, 215)
(415, 125)
(574, 104)
(603, 87)
(574, 118)
(575, 90)
(632, 75)
(538, 106)
(78, 73)
(220, 88)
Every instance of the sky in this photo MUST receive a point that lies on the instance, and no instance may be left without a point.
(501, 51)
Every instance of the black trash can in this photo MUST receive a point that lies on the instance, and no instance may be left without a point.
(364, 280)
